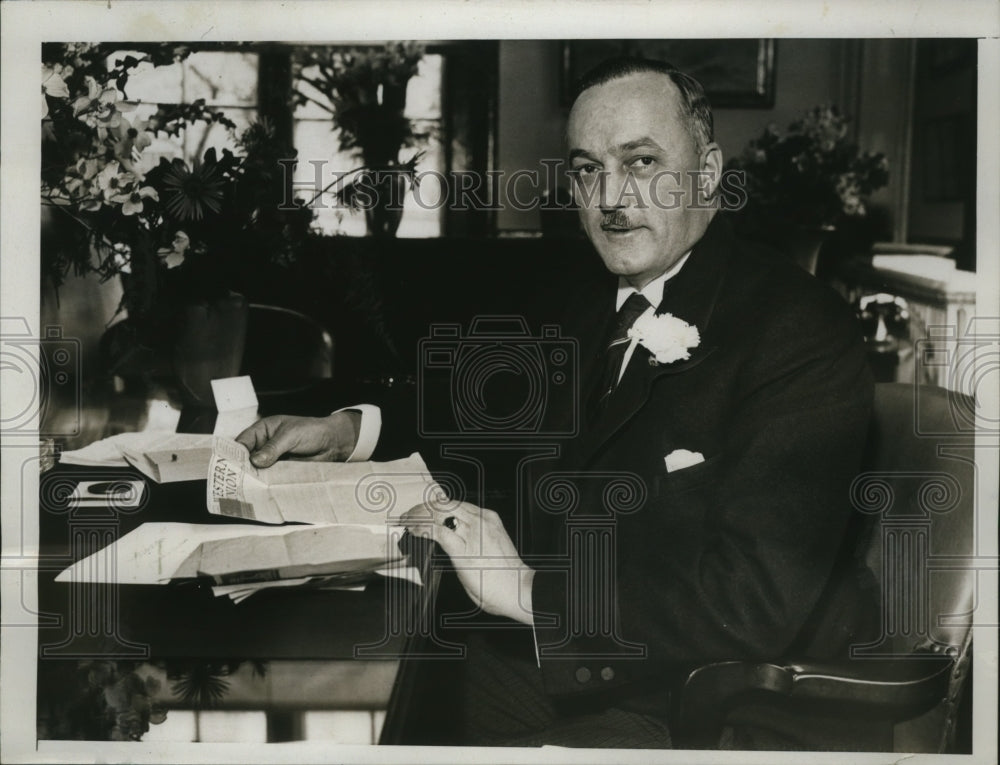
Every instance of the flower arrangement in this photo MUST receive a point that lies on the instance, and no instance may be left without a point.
(364, 91)
(179, 232)
(91, 154)
(811, 177)
(96, 175)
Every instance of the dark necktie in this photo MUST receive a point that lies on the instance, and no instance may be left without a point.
(617, 344)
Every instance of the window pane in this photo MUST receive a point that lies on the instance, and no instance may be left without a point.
(342, 727)
(319, 163)
(423, 92)
(226, 80)
(159, 84)
(317, 141)
(199, 137)
(222, 79)
(314, 108)
(423, 209)
(192, 142)
(179, 726)
(238, 727)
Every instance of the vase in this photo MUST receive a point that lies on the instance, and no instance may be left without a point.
(209, 345)
(388, 188)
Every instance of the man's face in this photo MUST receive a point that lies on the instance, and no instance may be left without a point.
(636, 175)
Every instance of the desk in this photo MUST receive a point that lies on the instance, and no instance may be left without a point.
(320, 650)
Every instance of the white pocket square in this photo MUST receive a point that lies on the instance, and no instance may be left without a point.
(679, 459)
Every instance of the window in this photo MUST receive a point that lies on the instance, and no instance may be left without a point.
(320, 161)
(451, 100)
(227, 80)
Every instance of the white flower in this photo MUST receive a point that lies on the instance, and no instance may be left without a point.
(53, 85)
(121, 255)
(666, 337)
(132, 202)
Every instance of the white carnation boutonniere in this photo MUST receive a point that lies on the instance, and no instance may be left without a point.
(667, 338)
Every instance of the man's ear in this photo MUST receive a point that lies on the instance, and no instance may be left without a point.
(711, 168)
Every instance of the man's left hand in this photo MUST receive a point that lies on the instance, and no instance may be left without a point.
(482, 553)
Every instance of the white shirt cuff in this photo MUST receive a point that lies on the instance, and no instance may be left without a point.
(368, 431)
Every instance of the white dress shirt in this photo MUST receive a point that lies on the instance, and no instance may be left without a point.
(368, 430)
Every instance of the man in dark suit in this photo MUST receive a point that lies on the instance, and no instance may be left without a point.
(726, 399)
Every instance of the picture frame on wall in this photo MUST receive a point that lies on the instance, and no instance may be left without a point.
(736, 73)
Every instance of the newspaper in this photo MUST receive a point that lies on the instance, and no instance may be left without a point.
(362, 493)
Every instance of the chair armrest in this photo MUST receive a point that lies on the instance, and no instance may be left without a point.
(895, 689)
(905, 685)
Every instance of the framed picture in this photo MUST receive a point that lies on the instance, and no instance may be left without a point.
(735, 73)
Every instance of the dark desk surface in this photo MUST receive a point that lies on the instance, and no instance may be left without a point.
(185, 619)
(357, 637)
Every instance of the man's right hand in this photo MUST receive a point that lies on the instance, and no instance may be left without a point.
(311, 438)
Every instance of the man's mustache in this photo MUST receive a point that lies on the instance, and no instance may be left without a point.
(616, 219)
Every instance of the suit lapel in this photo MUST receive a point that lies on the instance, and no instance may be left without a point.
(691, 296)
(595, 334)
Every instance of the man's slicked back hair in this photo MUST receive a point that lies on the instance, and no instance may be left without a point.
(694, 103)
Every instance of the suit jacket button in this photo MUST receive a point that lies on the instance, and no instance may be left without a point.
(607, 674)
(582, 675)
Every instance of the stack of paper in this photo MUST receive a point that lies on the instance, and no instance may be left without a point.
(348, 527)
(352, 582)
(243, 559)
